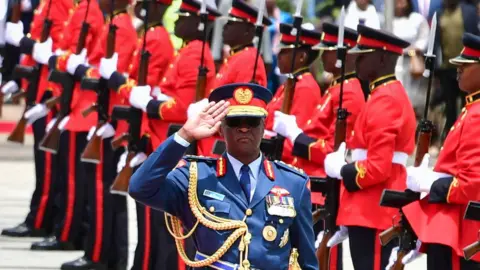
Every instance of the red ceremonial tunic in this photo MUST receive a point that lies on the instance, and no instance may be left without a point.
(385, 125)
(438, 218)
(318, 137)
(237, 68)
(307, 96)
(81, 99)
(125, 44)
(59, 13)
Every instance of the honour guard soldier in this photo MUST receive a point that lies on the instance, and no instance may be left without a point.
(71, 179)
(437, 219)
(39, 221)
(172, 93)
(106, 243)
(382, 139)
(307, 93)
(239, 196)
(316, 139)
(238, 33)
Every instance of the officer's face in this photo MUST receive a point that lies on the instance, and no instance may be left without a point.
(467, 76)
(243, 135)
(285, 60)
(186, 27)
(368, 65)
(237, 33)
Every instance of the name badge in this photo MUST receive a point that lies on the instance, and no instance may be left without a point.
(213, 195)
(280, 206)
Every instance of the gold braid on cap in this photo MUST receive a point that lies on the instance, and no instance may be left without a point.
(212, 222)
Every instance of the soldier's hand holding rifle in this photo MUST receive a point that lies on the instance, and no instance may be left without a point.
(14, 33)
(76, 60)
(105, 131)
(36, 112)
(43, 51)
(411, 256)
(108, 66)
(10, 87)
(421, 178)
(286, 125)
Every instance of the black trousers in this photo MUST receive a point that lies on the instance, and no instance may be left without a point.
(107, 237)
(440, 257)
(336, 253)
(366, 250)
(70, 222)
(42, 204)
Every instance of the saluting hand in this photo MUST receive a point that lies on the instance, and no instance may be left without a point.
(206, 123)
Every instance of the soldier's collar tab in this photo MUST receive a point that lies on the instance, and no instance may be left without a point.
(338, 79)
(240, 48)
(382, 80)
(472, 98)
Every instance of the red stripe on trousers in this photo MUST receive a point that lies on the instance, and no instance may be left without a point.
(146, 248)
(455, 261)
(97, 249)
(47, 178)
(377, 257)
(70, 187)
(333, 257)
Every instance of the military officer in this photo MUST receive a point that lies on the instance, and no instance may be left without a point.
(239, 196)
(307, 93)
(39, 221)
(239, 66)
(437, 219)
(383, 138)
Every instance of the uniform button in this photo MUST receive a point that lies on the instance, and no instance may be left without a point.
(225, 61)
(171, 65)
(248, 212)
(164, 79)
(309, 121)
(211, 209)
(152, 28)
(274, 99)
(319, 106)
(281, 221)
(300, 77)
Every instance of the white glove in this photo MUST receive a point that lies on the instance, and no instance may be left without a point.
(337, 238)
(42, 51)
(268, 134)
(59, 52)
(122, 161)
(63, 123)
(140, 96)
(26, 5)
(50, 124)
(14, 33)
(156, 91)
(76, 60)
(108, 66)
(106, 131)
(411, 256)
(138, 159)
(91, 132)
(162, 97)
(335, 161)
(10, 87)
(196, 108)
(36, 112)
(286, 125)
(421, 178)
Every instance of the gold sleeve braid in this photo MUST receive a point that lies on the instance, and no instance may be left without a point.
(212, 222)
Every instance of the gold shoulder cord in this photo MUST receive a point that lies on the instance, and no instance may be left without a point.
(212, 222)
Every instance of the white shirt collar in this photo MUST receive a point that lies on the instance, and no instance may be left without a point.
(254, 166)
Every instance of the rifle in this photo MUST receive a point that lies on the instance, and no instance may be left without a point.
(258, 37)
(51, 141)
(472, 213)
(32, 74)
(398, 199)
(92, 152)
(134, 119)
(275, 145)
(332, 198)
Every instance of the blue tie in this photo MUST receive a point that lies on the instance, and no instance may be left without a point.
(245, 180)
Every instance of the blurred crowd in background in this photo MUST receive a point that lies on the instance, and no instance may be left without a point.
(410, 21)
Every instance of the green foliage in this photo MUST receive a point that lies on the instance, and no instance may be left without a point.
(286, 5)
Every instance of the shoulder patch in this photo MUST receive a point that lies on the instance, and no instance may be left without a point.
(290, 168)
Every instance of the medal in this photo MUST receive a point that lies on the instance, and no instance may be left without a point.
(269, 233)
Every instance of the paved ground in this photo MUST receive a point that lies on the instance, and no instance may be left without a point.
(17, 183)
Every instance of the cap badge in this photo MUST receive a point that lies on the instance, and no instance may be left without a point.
(243, 95)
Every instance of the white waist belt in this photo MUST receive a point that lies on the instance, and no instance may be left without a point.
(398, 157)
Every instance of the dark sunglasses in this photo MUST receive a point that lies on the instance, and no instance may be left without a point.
(235, 122)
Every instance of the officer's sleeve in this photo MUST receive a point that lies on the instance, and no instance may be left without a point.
(302, 235)
(382, 128)
(156, 185)
(464, 186)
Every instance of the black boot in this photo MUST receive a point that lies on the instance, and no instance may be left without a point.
(22, 230)
(83, 263)
(52, 243)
